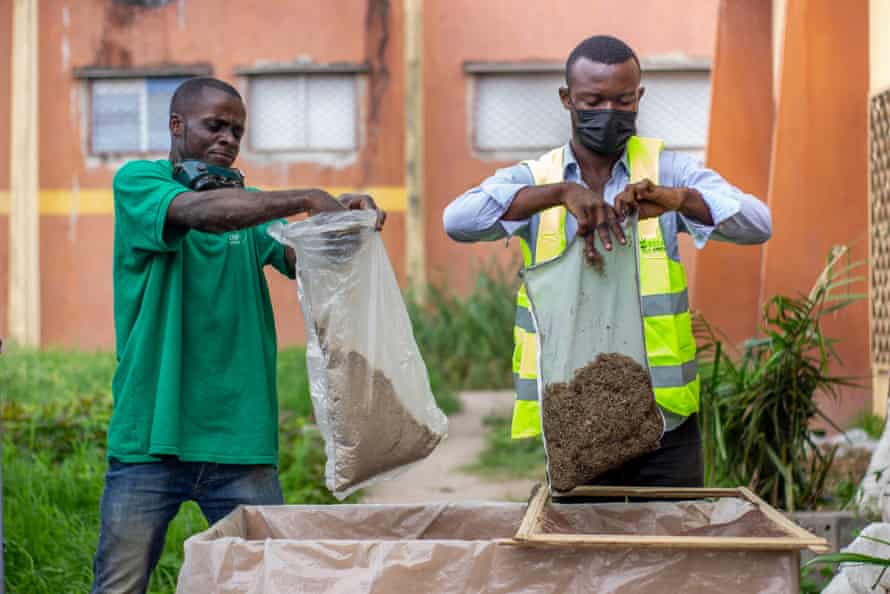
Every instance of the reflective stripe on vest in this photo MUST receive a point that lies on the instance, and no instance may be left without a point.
(670, 345)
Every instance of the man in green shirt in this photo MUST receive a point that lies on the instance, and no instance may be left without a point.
(195, 403)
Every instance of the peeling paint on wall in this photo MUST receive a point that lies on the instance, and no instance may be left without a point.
(112, 53)
(377, 28)
(66, 41)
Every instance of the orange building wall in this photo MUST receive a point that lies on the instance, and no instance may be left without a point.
(76, 242)
(726, 289)
(76, 247)
(818, 189)
(459, 31)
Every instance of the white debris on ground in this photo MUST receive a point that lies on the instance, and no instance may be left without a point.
(854, 439)
(873, 497)
(859, 578)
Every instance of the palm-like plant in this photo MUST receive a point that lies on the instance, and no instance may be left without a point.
(757, 408)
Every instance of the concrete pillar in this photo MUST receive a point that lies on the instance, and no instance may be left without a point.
(818, 190)
(879, 45)
(24, 212)
(727, 280)
(415, 221)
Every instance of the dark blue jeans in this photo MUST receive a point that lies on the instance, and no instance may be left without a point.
(140, 500)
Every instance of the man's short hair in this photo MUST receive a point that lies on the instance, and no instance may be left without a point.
(192, 88)
(604, 49)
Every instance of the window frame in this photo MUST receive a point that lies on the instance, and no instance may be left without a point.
(356, 71)
(90, 75)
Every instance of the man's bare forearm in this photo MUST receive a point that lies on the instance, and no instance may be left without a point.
(694, 206)
(534, 199)
(217, 211)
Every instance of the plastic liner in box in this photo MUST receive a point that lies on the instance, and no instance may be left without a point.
(453, 548)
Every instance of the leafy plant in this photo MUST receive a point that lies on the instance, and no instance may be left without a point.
(813, 584)
(468, 340)
(857, 558)
(872, 424)
(757, 407)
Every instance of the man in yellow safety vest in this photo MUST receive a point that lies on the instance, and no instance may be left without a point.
(587, 187)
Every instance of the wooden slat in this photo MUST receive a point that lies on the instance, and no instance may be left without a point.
(653, 492)
(531, 521)
(678, 542)
(777, 517)
(529, 530)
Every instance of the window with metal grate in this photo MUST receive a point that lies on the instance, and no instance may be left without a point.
(521, 113)
(676, 107)
(131, 115)
(303, 112)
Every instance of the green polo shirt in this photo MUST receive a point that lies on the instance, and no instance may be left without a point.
(195, 332)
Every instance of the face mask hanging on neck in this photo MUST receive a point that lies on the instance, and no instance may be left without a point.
(605, 131)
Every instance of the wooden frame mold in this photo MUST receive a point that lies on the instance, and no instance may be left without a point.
(795, 538)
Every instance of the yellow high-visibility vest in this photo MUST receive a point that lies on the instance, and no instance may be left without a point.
(670, 345)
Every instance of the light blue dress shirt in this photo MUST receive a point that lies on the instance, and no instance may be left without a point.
(738, 217)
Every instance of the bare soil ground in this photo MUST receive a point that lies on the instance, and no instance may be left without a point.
(439, 477)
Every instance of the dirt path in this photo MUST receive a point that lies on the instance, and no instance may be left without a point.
(439, 478)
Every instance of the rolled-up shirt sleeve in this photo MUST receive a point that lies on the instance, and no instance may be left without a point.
(476, 214)
(738, 217)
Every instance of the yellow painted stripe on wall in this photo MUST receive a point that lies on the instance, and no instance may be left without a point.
(98, 202)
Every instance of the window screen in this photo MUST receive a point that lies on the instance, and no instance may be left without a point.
(131, 115)
(676, 107)
(521, 112)
(305, 112)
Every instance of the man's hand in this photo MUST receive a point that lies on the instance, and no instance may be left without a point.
(363, 202)
(648, 199)
(595, 217)
(652, 200)
(320, 201)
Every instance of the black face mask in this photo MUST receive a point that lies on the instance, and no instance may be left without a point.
(605, 131)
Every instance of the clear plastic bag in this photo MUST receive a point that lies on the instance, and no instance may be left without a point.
(369, 385)
(597, 405)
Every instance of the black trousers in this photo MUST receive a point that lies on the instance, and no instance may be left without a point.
(677, 463)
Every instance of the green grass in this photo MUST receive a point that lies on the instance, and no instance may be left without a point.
(506, 458)
(54, 464)
(293, 382)
(54, 374)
